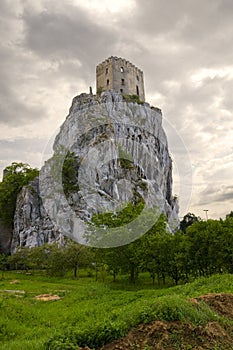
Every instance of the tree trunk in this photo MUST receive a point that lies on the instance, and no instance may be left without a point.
(132, 274)
(75, 270)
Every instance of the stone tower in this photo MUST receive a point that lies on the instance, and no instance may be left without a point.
(118, 74)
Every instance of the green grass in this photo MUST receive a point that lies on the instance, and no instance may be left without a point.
(92, 313)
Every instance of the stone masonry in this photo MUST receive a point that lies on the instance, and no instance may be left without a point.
(120, 75)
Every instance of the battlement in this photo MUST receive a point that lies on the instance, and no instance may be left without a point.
(116, 73)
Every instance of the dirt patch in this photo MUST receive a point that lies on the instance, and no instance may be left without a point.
(47, 297)
(173, 335)
(183, 336)
(221, 303)
(13, 291)
(14, 282)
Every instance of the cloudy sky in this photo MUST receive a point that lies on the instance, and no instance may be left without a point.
(48, 53)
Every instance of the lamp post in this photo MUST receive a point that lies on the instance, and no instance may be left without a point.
(206, 213)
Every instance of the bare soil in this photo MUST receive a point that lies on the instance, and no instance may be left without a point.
(47, 297)
(160, 335)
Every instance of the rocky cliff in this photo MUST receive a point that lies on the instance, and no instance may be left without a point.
(121, 156)
(32, 225)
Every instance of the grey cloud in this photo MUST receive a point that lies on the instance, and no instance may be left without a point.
(216, 194)
(14, 111)
(49, 44)
(22, 150)
(68, 34)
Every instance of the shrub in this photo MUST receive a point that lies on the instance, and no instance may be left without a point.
(93, 336)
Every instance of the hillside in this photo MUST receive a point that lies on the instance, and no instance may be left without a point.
(196, 315)
(170, 335)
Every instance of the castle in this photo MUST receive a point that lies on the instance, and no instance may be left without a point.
(120, 75)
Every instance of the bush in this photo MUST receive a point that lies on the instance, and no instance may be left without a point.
(174, 308)
(93, 336)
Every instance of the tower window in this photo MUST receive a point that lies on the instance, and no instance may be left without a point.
(107, 81)
(137, 78)
(121, 90)
(122, 70)
(122, 81)
(106, 71)
(137, 89)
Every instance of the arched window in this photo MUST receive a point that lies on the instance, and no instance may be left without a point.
(106, 71)
(122, 69)
(122, 81)
(107, 81)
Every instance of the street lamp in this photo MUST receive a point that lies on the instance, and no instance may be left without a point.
(206, 213)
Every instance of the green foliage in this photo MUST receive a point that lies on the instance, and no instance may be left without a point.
(143, 185)
(64, 169)
(90, 312)
(96, 335)
(55, 260)
(3, 263)
(132, 98)
(175, 308)
(16, 176)
(69, 173)
(99, 90)
(188, 220)
(76, 256)
(230, 215)
(123, 217)
(125, 159)
(205, 249)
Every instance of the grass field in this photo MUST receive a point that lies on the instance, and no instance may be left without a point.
(93, 312)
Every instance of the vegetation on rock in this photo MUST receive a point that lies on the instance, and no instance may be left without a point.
(15, 177)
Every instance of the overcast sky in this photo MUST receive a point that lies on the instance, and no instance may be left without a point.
(48, 53)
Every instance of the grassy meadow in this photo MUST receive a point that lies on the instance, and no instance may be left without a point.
(91, 312)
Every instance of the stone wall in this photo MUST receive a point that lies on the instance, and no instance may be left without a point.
(120, 75)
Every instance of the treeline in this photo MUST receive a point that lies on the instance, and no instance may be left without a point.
(201, 248)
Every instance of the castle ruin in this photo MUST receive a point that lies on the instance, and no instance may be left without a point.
(118, 74)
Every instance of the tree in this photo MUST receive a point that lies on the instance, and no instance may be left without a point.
(15, 177)
(155, 250)
(76, 255)
(56, 260)
(20, 260)
(70, 173)
(188, 220)
(227, 242)
(230, 215)
(3, 263)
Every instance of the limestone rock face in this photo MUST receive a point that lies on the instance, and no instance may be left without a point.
(32, 225)
(121, 155)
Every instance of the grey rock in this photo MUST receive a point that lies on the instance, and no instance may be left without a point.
(121, 150)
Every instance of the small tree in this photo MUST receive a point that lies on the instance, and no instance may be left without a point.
(77, 255)
(188, 220)
(3, 263)
(15, 177)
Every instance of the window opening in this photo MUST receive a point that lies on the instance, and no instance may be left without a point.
(107, 81)
(106, 70)
(122, 81)
(121, 90)
(137, 89)
(122, 70)
(137, 78)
